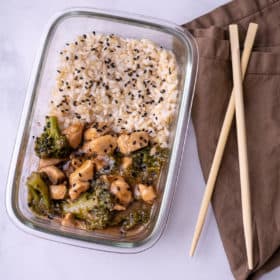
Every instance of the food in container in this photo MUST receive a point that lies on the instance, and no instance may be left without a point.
(115, 99)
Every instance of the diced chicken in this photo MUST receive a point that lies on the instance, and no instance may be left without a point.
(84, 173)
(101, 162)
(146, 193)
(126, 162)
(133, 142)
(44, 162)
(119, 207)
(100, 146)
(121, 190)
(55, 174)
(76, 162)
(68, 220)
(78, 188)
(153, 150)
(74, 134)
(91, 133)
(79, 179)
(58, 191)
(96, 131)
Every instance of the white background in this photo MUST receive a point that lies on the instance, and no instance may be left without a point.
(26, 257)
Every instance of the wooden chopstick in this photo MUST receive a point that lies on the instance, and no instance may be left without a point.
(248, 45)
(242, 142)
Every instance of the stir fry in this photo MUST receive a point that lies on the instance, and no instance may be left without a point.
(91, 178)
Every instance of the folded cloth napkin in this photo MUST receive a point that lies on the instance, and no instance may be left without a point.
(262, 110)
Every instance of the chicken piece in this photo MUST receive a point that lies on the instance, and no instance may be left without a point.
(119, 207)
(133, 142)
(76, 162)
(55, 174)
(83, 173)
(146, 193)
(44, 162)
(69, 220)
(126, 162)
(78, 188)
(98, 130)
(101, 162)
(79, 179)
(91, 133)
(100, 146)
(58, 191)
(74, 134)
(121, 190)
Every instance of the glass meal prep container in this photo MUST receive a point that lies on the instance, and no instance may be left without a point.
(64, 27)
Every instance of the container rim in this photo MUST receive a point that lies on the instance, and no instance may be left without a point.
(181, 130)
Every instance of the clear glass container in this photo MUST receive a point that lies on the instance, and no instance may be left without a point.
(64, 27)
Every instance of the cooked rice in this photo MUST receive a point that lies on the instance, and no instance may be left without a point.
(129, 84)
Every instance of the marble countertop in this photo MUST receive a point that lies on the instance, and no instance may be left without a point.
(23, 256)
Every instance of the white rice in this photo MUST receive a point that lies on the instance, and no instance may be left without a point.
(128, 84)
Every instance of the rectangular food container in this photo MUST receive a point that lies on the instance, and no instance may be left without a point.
(63, 28)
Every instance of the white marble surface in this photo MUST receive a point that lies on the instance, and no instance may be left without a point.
(26, 257)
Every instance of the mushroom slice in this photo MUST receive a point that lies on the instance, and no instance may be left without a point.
(58, 191)
(133, 142)
(74, 134)
(100, 146)
(122, 191)
(55, 174)
(147, 193)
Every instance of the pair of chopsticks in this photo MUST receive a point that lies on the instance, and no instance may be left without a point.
(235, 104)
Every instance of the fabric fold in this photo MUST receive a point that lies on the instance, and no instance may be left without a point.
(262, 103)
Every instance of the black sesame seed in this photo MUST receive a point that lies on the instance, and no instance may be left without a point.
(85, 36)
(76, 57)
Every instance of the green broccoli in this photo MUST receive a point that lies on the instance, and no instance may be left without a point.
(137, 214)
(51, 143)
(38, 194)
(93, 208)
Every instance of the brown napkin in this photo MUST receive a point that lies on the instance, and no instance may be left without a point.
(262, 109)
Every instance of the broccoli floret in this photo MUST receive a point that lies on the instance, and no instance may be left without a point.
(145, 166)
(51, 143)
(38, 194)
(93, 208)
(137, 214)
